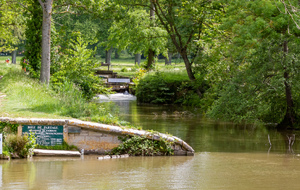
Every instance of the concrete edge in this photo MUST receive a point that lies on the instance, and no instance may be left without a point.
(100, 127)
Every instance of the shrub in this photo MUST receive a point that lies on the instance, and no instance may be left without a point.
(19, 146)
(141, 146)
(167, 88)
(123, 69)
(76, 65)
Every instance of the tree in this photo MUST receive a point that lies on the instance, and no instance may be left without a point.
(47, 6)
(77, 66)
(11, 26)
(136, 33)
(33, 35)
(151, 53)
(185, 22)
(263, 83)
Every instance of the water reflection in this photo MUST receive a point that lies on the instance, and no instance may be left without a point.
(206, 135)
(227, 157)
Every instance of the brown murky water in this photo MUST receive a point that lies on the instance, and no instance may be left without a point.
(227, 157)
(203, 171)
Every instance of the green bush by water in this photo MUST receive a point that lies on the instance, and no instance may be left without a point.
(141, 146)
(167, 88)
(19, 146)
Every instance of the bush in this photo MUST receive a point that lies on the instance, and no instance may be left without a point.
(167, 88)
(141, 146)
(76, 65)
(19, 146)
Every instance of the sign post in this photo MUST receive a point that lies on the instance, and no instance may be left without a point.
(0, 143)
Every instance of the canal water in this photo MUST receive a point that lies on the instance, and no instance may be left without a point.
(227, 156)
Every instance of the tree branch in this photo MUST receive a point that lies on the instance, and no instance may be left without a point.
(42, 4)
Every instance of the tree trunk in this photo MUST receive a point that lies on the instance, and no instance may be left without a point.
(290, 116)
(189, 70)
(150, 59)
(151, 53)
(46, 41)
(117, 56)
(168, 61)
(289, 139)
(108, 56)
(14, 57)
(170, 57)
(137, 59)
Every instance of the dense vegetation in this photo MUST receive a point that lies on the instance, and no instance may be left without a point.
(168, 88)
(241, 58)
(141, 146)
(15, 146)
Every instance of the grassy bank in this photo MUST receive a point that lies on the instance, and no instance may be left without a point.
(26, 97)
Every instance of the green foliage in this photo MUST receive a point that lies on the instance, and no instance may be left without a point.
(76, 65)
(141, 146)
(63, 146)
(136, 33)
(34, 38)
(8, 128)
(11, 25)
(166, 88)
(19, 146)
(257, 91)
(123, 69)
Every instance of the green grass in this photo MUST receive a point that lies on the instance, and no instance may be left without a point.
(26, 97)
(125, 66)
(3, 58)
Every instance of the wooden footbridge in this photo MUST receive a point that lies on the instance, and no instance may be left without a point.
(111, 79)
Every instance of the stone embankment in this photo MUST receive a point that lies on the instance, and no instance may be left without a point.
(99, 138)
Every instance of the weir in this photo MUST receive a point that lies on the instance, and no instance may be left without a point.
(94, 138)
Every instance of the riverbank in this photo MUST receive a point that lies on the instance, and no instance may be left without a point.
(97, 138)
(27, 98)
